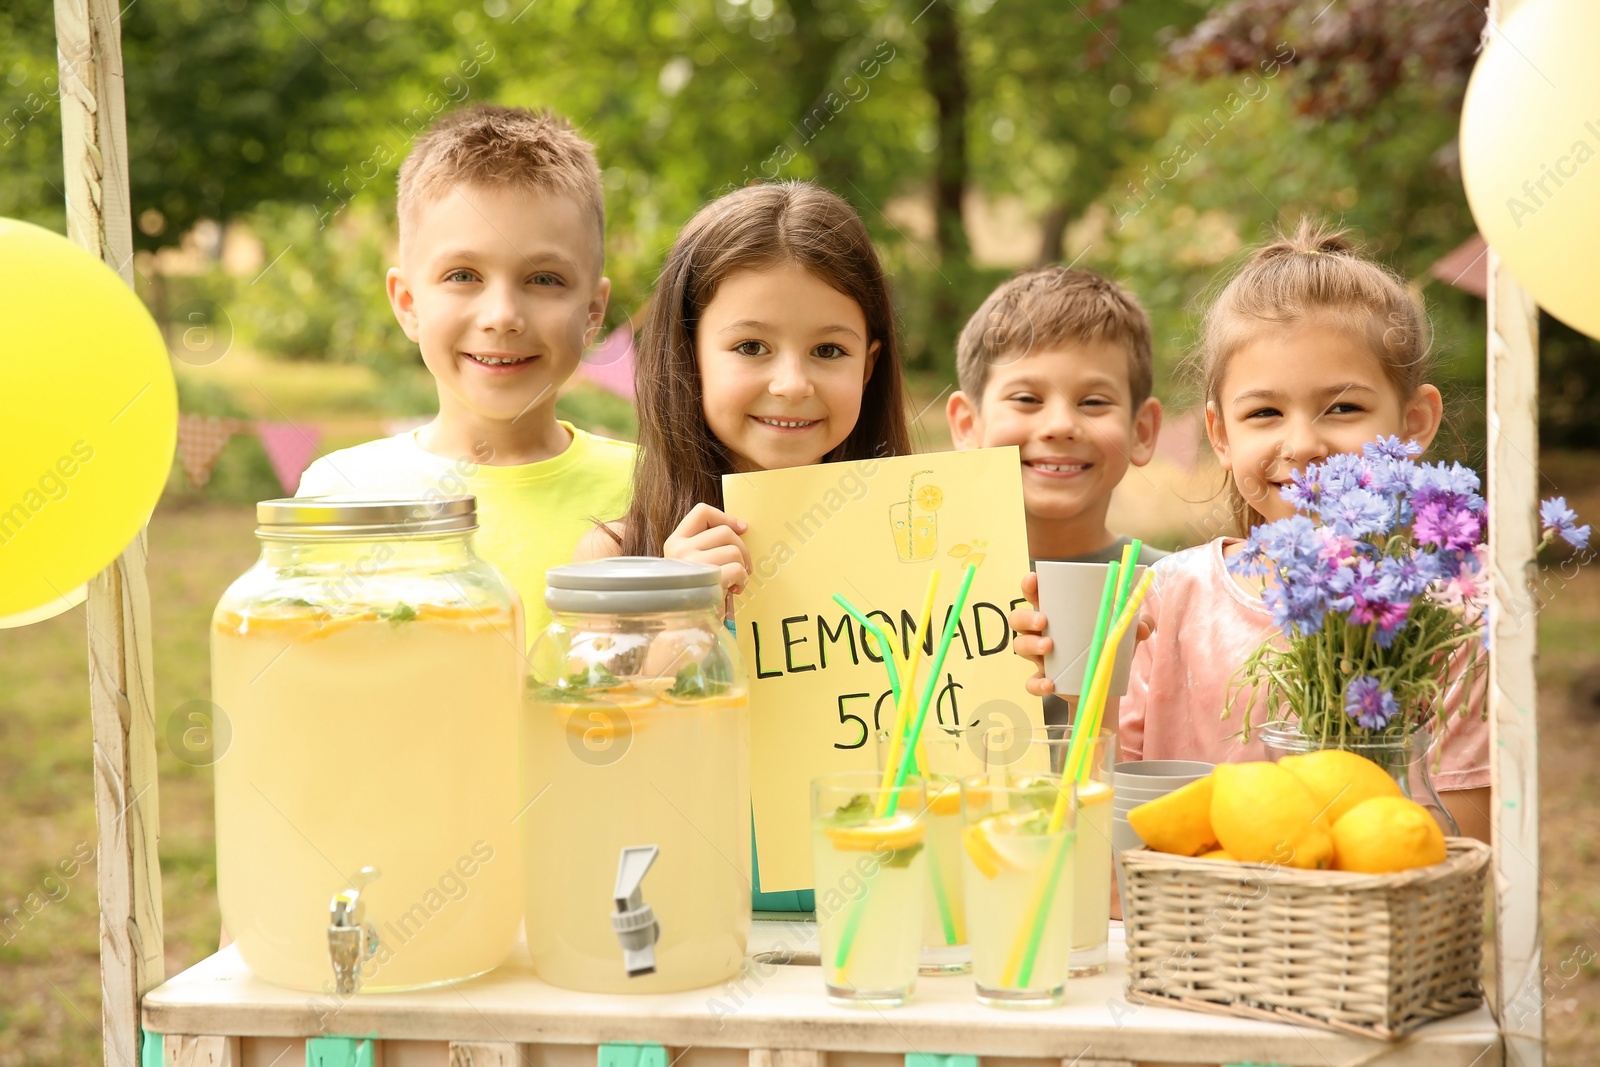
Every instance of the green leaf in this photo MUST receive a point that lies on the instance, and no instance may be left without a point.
(902, 857)
(857, 812)
(401, 613)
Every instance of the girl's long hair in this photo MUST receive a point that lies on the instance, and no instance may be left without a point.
(680, 462)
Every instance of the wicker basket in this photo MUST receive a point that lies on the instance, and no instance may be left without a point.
(1371, 954)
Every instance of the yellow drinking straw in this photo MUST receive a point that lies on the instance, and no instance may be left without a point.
(1092, 712)
(908, 687)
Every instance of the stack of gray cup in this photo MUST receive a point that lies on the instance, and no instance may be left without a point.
(1141, 782)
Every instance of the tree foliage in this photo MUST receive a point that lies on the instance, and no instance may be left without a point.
(1152, 139)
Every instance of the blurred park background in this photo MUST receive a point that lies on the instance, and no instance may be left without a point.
(1152, 140)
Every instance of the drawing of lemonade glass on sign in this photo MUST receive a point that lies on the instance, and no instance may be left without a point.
(915, 521)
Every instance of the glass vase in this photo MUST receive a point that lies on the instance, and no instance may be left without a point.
(1405, 759)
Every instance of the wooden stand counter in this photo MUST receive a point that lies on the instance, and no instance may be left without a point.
(774, 1015)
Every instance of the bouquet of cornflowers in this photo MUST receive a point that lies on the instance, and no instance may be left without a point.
(1375, 586)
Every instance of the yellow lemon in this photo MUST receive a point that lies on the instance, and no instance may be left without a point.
(1263, 814)
(930, 498)
(944, 798)
(1179, 822)
(1340, 780)
(1218, 854)
(980, 851)
(1387, 834)
(893, 832)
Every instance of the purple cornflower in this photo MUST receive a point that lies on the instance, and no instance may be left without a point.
(1369, 703)
(1454, 487)
(1454, 530)
(1558, 519)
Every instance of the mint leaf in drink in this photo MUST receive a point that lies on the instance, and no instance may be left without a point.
(400, 613)
(902, 857)
(858, 811)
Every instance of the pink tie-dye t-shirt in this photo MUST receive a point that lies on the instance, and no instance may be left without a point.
(1204, 626)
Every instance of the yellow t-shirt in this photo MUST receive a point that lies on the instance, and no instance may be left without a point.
(530, 516)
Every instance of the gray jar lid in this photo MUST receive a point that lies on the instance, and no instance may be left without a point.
(331, 517)
(633, 585)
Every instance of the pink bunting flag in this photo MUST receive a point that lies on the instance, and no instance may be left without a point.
(609, 364)
(201, 439)
(291, 448)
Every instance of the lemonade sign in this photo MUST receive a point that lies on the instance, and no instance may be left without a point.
(872, 531)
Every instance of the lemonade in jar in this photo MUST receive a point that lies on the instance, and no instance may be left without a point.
(367, 669)
(636, 783)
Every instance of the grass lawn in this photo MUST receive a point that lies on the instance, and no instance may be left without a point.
(49, 993)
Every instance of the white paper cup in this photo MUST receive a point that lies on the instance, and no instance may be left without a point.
(1139, 782)
(1069, 596)
(1163, 774)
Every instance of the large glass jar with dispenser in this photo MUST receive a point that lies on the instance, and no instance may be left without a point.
(368, 668)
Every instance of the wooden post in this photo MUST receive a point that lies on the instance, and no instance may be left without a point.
(1513, 378)
(1513, 686)
(121, 686)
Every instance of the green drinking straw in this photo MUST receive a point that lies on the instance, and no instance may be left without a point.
(884, 648)
(950, 624)
(848, 935)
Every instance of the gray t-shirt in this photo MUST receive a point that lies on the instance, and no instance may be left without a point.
(1057, 711)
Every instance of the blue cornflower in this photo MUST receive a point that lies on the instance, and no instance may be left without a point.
(1359, 512)
(1558, 519)
(1292, 541)
(1296, 607)
(1342, 473)
(1369, 703)
(1391, 447)
(1304, 490)
(1252, 558)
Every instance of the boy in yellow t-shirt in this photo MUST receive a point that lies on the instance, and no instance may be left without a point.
(502, 226)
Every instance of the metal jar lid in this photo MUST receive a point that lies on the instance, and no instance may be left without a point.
(633, 585)
(351, 518)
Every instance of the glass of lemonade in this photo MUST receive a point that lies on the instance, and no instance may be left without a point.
(1018, 864)
(946, 755)
(1015, 756)
(868, 854)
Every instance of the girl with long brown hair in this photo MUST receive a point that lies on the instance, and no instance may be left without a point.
(769, 343)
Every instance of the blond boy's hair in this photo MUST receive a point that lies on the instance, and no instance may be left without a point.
(1046, 308)
(492, 145)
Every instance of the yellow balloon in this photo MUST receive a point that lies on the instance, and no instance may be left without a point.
(1530, 154)
(88, 416)
(45, 611)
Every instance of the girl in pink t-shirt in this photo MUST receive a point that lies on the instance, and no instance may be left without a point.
(1310, 350)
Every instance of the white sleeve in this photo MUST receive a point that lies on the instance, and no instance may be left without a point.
(322, 479)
